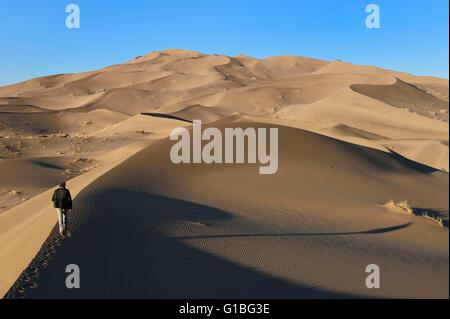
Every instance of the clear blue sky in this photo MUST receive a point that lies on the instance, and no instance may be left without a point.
(34, 40)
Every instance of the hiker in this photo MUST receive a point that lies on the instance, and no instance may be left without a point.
(62, 201)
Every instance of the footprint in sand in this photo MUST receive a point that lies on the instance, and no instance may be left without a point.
(33, 285)
(201, 224)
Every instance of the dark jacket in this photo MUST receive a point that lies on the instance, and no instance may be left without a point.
(62, 199)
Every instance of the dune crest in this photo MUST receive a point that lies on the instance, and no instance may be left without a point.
(351, 138)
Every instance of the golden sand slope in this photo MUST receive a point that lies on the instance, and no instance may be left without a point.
(149, 228)
(25, 227)
(317, 94)
(325, 207)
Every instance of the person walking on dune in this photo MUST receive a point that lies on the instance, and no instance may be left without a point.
(62, 201)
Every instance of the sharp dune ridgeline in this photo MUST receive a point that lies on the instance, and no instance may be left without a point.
(352, 139)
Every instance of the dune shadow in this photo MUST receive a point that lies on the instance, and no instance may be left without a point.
(422, 168)
(374, 231)
(167, 116)
(49, 165)
(122, 252)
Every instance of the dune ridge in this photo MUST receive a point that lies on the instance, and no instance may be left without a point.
(281, 226)
(351, 139)
(295, 88)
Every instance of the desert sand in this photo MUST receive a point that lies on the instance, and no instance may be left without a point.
(351, 138)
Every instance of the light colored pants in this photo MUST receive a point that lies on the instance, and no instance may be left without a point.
(61, 219)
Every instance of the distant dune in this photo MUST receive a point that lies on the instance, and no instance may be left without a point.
(351, 138)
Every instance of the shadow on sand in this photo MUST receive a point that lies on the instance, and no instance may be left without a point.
(381, 230)
(167, 116)
(121, 254)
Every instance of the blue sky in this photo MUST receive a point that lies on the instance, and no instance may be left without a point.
(35, 42)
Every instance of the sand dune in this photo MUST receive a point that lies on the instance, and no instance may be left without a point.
(351, 138)
(50, 122)
(23, 179)
(270, 239)
(24, 228)
(199, 112)
(406, 96)
(349, 108)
